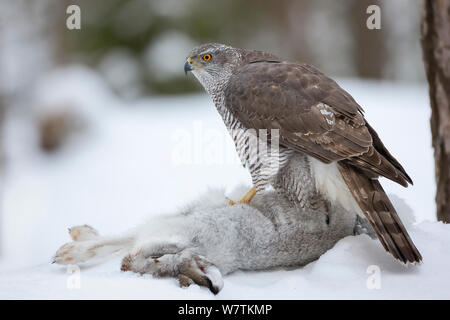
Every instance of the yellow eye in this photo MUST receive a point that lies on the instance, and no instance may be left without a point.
(206, 57)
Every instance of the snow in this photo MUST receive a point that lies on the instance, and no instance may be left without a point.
(150, 156)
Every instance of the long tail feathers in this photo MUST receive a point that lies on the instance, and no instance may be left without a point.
(381, 214)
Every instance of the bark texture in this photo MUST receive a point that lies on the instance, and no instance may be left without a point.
(435, 37)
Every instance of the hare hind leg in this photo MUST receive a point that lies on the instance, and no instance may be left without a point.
(88, 245)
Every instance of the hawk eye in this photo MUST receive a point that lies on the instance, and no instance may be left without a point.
(206, 57)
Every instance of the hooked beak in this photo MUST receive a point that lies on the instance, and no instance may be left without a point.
(188, 67)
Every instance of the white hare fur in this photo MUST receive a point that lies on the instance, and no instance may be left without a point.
(210, 238)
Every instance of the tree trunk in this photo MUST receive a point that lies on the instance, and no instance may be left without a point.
(435, 31)
(2, 165)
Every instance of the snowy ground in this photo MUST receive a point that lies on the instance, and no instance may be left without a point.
(141, 158)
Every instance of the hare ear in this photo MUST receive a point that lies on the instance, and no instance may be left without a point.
(201, 272)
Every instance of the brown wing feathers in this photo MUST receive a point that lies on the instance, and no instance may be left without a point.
(374, 162)
(379, 146)
(314, 115)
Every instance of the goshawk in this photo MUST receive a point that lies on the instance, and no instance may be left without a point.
(320, 130)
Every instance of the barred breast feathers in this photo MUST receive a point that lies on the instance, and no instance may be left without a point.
(262, 164)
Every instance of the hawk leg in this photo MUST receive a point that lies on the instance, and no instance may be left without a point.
(247, 198)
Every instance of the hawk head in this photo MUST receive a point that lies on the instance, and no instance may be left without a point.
(213, 63)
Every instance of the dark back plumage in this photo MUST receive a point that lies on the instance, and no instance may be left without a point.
(313, 113)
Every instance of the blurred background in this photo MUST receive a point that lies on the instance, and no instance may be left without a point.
(95, 121)
(138, 45)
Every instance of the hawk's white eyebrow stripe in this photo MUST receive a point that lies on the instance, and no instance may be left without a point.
(214, 50)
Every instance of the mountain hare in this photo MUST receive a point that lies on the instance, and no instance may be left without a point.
(210, 238)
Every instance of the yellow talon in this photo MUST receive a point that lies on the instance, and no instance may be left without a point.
(247, 198)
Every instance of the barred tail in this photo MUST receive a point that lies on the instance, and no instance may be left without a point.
(381, 214)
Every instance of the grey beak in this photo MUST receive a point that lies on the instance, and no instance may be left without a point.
(187, 67)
